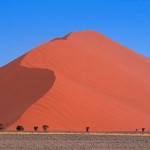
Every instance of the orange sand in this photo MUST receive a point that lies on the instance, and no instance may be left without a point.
(83, 79)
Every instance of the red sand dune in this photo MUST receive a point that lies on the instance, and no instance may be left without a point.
(83, 79)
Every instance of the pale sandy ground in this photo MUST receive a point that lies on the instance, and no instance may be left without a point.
(72, 141)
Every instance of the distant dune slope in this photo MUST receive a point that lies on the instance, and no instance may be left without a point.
(83, 79)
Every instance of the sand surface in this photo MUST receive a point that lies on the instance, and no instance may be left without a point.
(73, 142)
(83, 79)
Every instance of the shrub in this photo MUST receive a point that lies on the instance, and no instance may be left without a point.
(136, 130)
(87, 129)
(1, 126)
(20, 128)
(35, 128)
(143, 129)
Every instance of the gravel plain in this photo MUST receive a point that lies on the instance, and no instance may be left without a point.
(73, 142)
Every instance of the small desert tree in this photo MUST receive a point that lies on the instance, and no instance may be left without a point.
(35, 128)
(143, 129)
(20, 128)
(45, 127)
(87, 129)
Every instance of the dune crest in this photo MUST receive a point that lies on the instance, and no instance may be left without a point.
(82, 79)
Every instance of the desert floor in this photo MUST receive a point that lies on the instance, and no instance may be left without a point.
(73, 141)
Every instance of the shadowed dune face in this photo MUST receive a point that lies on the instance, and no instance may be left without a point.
(20, 87)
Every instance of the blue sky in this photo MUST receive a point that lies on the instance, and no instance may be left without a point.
(25, 24)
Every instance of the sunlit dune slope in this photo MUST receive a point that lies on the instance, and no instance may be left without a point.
(83, 79)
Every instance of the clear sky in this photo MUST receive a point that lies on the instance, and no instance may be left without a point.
(25, 24)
